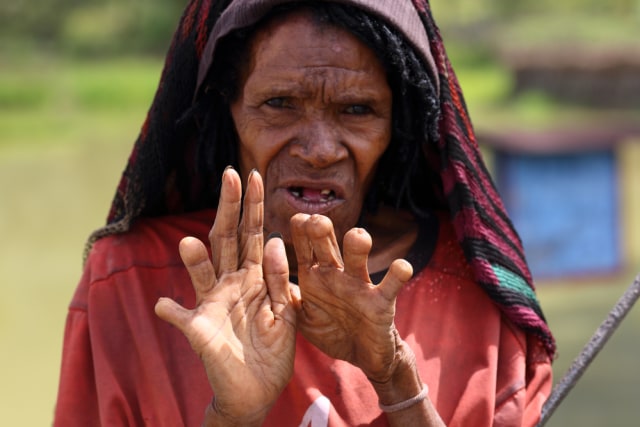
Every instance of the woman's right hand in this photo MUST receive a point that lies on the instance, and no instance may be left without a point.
(243, 324)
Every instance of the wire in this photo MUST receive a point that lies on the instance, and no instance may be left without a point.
(591, 350)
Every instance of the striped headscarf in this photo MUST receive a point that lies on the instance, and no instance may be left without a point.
(151, 184)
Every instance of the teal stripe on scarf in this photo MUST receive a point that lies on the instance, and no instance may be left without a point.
(512, 281)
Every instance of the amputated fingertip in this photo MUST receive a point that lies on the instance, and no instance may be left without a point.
(298, 219)
(401, 269)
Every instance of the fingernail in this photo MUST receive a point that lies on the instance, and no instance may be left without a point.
(224, 172)
(274, 234)
(253, 171)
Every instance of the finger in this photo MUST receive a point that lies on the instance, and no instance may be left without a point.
(296, 296)
(276, 274)
(319, 228)
(356, 248)
(172, 312)
(196, 259)
(223, 236)
(251, 227)
(400, 272)
(301, 242)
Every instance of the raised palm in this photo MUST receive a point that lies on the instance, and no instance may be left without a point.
(243, 324)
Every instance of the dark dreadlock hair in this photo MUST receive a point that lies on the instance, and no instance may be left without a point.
(415, 104)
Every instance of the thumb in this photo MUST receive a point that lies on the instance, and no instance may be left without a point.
(172, 312)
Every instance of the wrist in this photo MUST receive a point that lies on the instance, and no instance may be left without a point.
(404, 382)
(216, 417)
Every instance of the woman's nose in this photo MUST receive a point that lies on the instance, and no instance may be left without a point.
(319, 144)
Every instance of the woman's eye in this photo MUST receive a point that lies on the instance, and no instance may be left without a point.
(358, 109)
(278, 102)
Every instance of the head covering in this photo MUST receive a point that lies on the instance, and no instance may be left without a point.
(150, 186)
(241, 14)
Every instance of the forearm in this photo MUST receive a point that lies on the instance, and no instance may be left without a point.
(403, 385)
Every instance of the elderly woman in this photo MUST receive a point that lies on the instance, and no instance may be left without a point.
(391, 289)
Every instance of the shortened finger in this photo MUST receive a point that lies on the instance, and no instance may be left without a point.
(399, 273)
(223, 236)
(319, 228)
(301, 242)
(356, 246)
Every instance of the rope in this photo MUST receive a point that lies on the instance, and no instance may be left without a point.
(591, 350)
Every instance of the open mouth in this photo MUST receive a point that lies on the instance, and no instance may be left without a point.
(312, 194)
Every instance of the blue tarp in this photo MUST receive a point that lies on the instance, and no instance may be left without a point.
(565, 207)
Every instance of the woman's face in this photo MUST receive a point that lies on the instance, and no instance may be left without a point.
(313, 117)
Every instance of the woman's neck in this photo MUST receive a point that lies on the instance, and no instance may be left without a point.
(394, 233)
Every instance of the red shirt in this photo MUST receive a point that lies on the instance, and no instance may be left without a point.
(122, 365)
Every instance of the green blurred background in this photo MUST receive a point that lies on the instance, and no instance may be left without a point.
(76, 79)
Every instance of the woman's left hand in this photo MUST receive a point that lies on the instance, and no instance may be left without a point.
(339, 310)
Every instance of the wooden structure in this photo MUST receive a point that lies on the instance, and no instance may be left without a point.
(597, 76)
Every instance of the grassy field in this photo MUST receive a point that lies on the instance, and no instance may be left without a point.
(65, 131)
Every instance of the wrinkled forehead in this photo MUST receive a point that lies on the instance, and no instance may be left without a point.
(300, 35)
(298, 48)
(245, 13)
